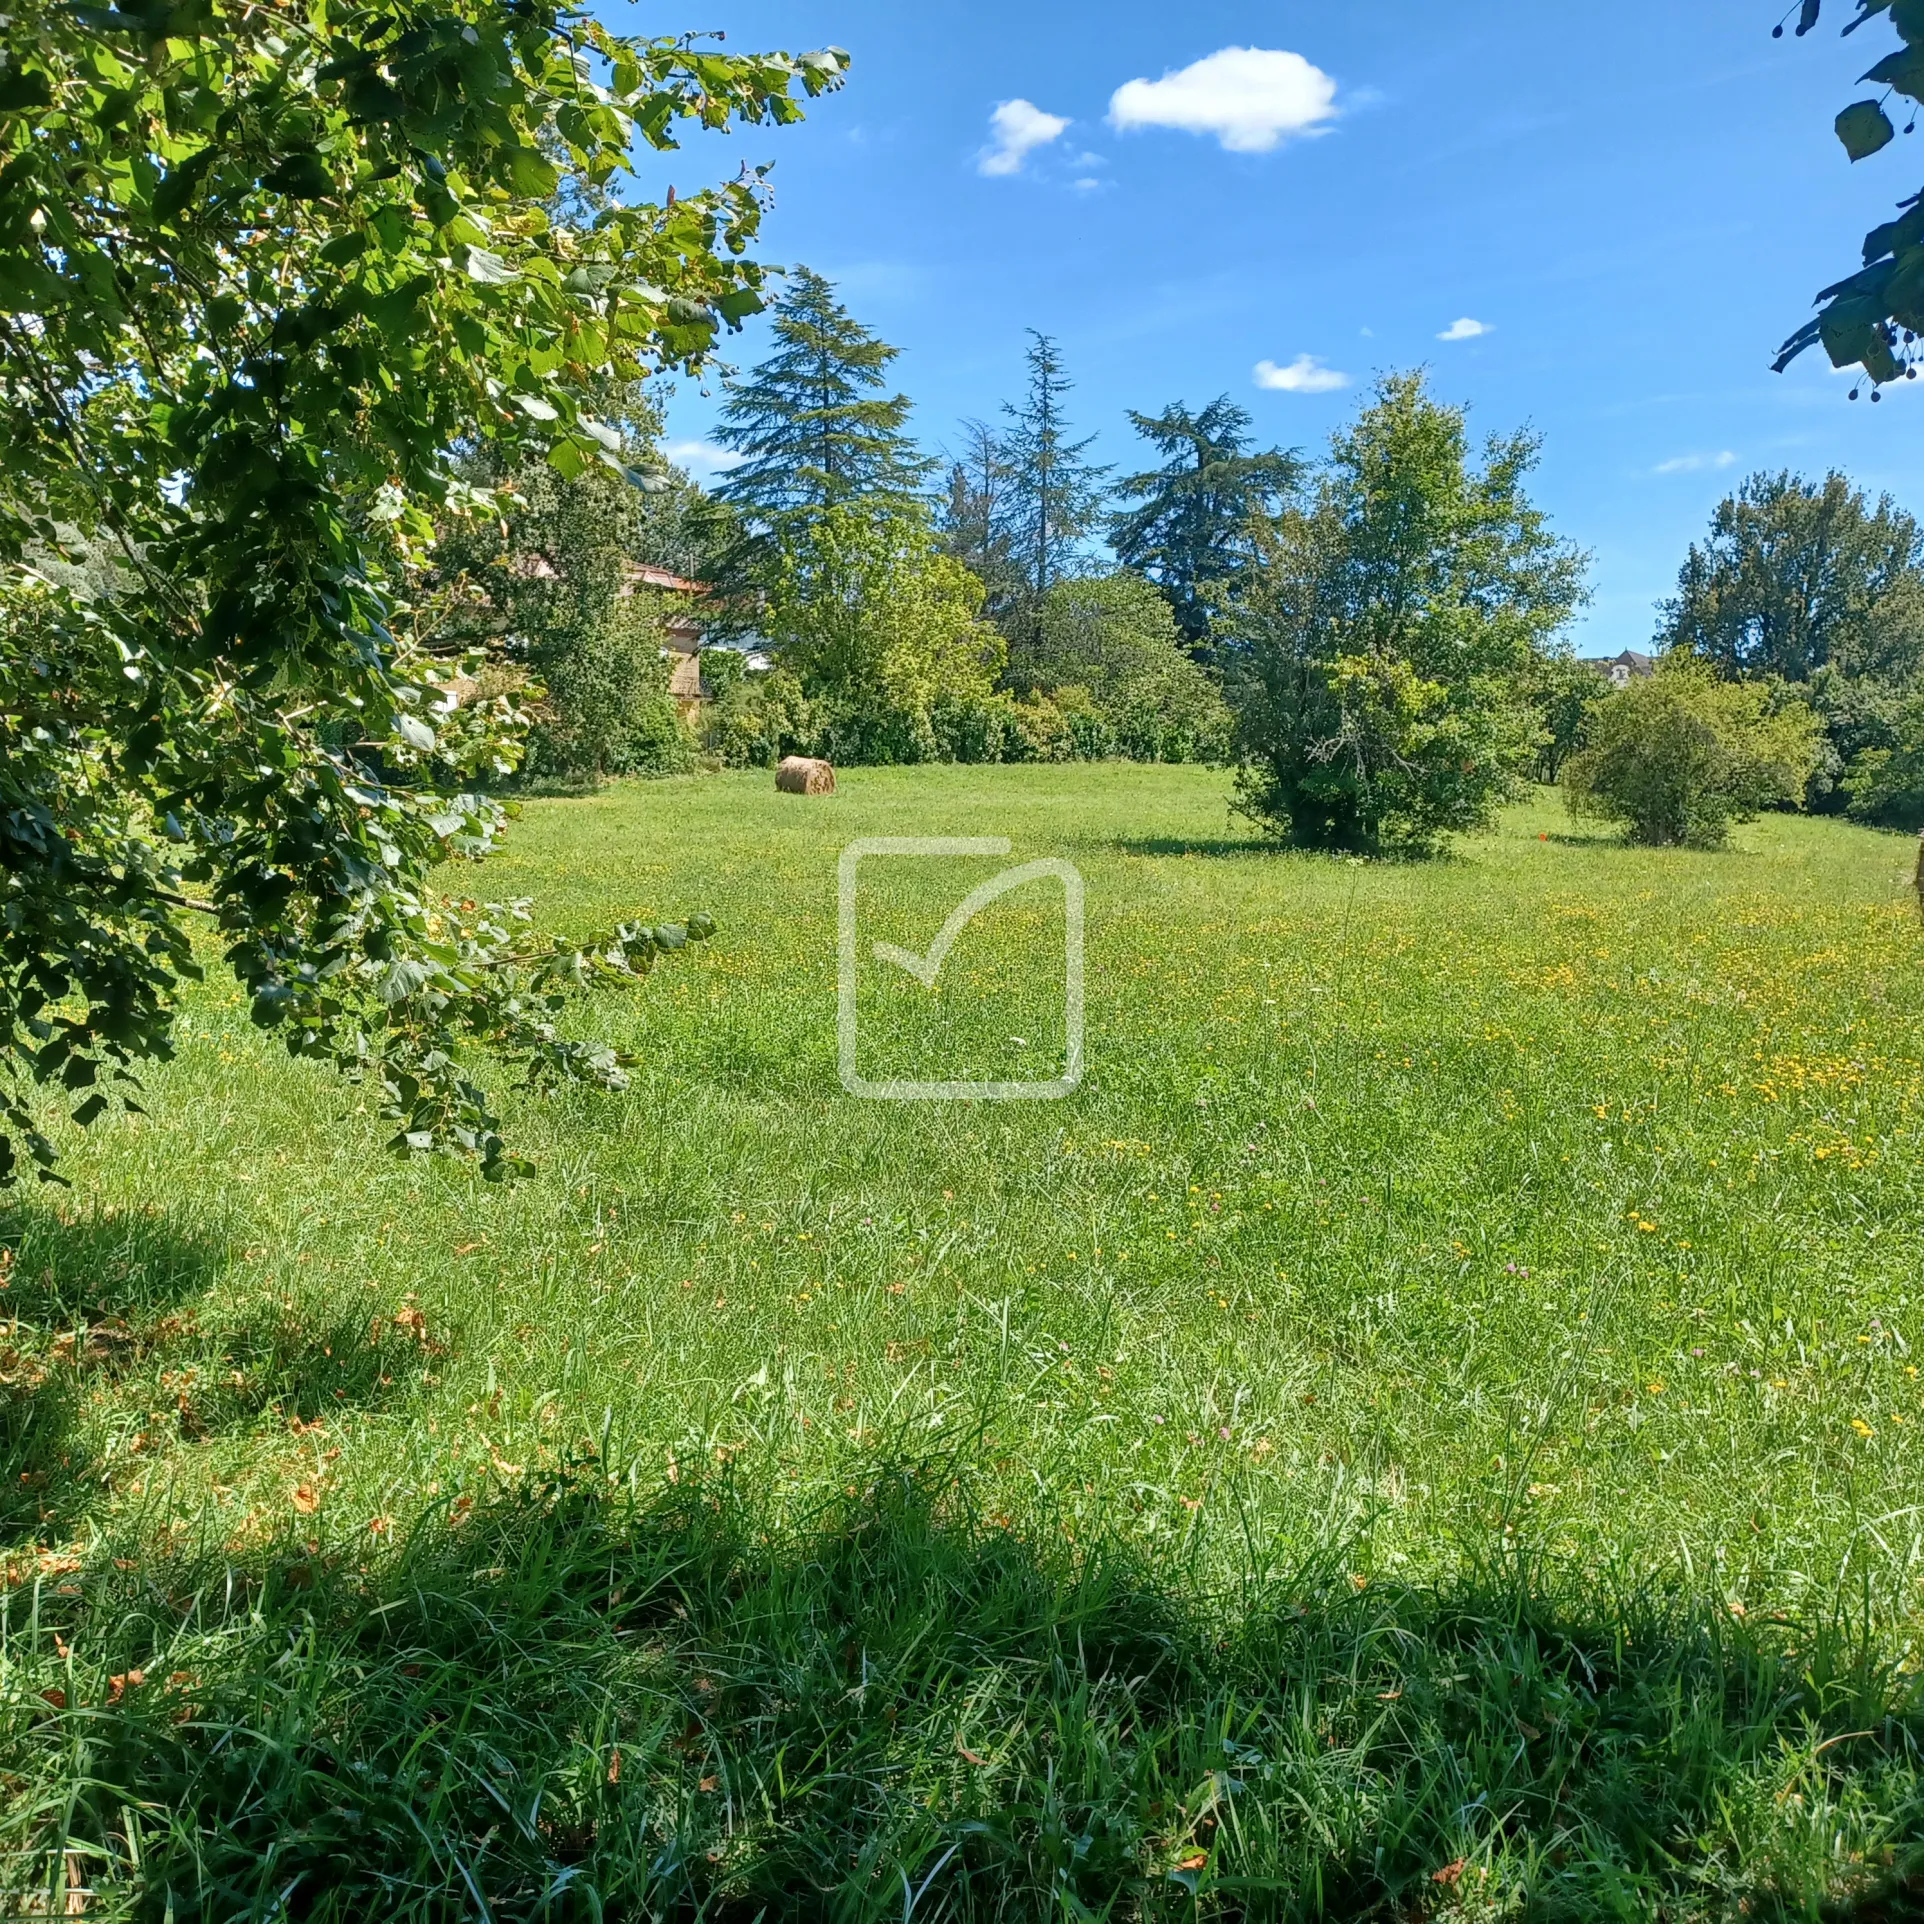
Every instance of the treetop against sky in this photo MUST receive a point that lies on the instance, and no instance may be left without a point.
(1605, 234)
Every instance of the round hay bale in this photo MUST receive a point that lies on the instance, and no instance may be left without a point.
(801, 775)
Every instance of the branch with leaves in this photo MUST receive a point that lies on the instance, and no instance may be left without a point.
(1872, 319)
(264, 269)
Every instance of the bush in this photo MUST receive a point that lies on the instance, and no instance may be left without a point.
(764, 718)
(1383, 646)
(1115, 642)
(723, 670)
(1886, 785)
(880, 629)
(1679, 757)
(608, 710)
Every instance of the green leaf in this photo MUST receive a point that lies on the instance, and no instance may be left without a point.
(529, 173)
(1903, 70)
(300, 176)
(392, 226)
(397, 312)
(370, 99)
(24, 88)
(489, 269)
(1865, 129)
(91, 1111)
(567, 460)
(1895, 235)
(173, 194)
(344, 249)
(404, 979)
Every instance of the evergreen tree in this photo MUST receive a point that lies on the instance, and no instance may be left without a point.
(813, 420)
(1055, 493)
(976, 516)
(1386, 640)
(1190, 530)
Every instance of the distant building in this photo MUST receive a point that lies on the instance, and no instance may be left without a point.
(681, 636)
(1621, 670)
(681, 632)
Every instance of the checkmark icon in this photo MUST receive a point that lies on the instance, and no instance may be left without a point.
(926, 966)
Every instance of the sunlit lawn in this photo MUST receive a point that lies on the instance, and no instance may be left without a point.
(1430, 1423)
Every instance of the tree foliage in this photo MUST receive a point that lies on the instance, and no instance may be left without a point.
(1381, 648)
(1563, 693)
(1053, 494)
(1188, 531)
(813, 422)
(1813, 584)
(1797, 576)
(546, 587)
(976, 519)
(1886, 784)
(1114, 638)
(262, 268)
(1872, 318)
(1678, 756)
(879, 627)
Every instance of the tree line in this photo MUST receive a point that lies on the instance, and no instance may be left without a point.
(1378, 641)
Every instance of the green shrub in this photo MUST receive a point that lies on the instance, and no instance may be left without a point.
(608, 710)
(764, 718)
(1886, 785)
(723, 670)
(1114, 640)
(1680, 756)
(1383, 645)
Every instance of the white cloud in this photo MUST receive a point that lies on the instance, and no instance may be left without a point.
(1019, 127)
(703, 460)
(1251, 98)
(1695, 463)
(1465, 330)
(1304, 375)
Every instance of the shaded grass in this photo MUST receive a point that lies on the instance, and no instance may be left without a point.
(581, 1703)
(1465, 1301)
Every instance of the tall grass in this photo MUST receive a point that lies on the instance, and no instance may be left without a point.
(1427, 1430)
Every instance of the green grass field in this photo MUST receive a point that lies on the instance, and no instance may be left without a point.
(1429, 1428)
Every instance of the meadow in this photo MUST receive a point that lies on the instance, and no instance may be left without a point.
(1429, 1428)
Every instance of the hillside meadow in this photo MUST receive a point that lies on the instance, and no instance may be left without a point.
(1429, 1427)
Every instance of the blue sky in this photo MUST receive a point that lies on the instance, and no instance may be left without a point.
(1635, 203)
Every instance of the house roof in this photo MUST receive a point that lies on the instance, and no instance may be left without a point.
(647, 576)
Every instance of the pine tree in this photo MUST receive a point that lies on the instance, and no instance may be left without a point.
(1055, 493)
(813, 421)
(975, 518)
(1190, 533)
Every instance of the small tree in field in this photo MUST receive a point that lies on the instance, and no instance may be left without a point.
(1380, 648)
(1679, 757)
